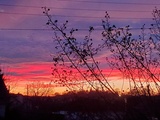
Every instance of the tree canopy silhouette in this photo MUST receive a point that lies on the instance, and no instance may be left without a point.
(137, 58)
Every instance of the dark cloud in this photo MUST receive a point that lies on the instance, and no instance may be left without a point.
(24, 49)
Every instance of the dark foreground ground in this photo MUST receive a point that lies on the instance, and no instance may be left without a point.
(83, 106)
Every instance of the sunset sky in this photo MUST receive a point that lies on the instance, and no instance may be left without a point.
(26, 46)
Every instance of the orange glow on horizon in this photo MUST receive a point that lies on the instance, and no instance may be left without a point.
(21, 75)
(33, 74)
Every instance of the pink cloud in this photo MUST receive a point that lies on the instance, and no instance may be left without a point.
(30, 71)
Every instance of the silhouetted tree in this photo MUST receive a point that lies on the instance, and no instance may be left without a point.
(3, 89)
(137, 58)
(75, 60)
(4, 97)
(39, 89)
